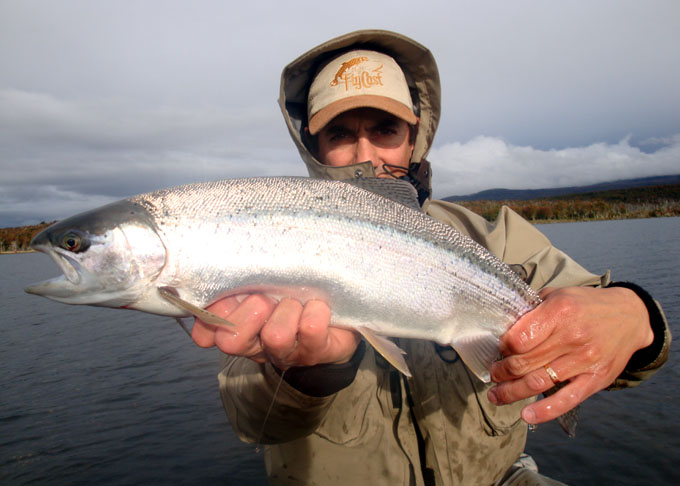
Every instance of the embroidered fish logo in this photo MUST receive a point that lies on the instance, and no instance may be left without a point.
(345, 66)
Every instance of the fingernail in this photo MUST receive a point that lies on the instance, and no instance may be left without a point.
(491, 395)
(528, 415)
(503, 349)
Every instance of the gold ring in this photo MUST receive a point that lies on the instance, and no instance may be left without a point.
(552, 374)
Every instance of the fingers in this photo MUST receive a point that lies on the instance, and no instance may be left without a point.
(534, 327)
(317, 342)
(535, 382)
(297, 335)
(279, 335)
(565, 399)
(542, 335)
(249, 317)
(586, 336)
(530, 385)
(519, 365)
(204, 334)
(314, 333)
(285, 333)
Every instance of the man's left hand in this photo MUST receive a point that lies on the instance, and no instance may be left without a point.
(585, 335)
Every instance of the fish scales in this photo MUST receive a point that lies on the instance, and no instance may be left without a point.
(379, 265)
(343, 257)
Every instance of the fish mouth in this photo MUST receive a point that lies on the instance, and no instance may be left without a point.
(63, 287)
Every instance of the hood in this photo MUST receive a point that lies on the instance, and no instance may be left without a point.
(421, 74)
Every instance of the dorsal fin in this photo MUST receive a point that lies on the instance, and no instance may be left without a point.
(395, 189)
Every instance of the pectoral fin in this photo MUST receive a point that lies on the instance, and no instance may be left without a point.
(387, 349)
(170, 294)
(478, 352)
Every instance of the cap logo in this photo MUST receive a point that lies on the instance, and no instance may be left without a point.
(345, 66)
(357, 78)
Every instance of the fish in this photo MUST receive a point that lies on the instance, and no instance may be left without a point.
(385, 268)
(345, 66)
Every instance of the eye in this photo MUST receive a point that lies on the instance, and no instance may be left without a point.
(387, 131)
(339, 137)
(72, 242)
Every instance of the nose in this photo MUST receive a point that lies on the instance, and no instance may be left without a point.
(366, 151)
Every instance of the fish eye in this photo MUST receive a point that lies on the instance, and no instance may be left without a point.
(73, 242)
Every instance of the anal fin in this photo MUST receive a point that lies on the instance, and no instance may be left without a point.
(387, 349)
(478, 352)
(170, 294)
(568, 420)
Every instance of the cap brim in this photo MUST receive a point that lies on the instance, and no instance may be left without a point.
(326, 114)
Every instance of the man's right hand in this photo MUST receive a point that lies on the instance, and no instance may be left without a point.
(286, 333)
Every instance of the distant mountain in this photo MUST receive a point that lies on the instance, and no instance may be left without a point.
(524, 194)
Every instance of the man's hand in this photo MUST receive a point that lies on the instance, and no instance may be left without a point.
(285, 333)
(586, 335)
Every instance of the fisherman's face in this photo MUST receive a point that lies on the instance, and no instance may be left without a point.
(367, 134)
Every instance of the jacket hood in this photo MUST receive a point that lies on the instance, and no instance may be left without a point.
(422, 76)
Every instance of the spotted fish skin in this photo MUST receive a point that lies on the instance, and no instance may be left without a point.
(380, 265)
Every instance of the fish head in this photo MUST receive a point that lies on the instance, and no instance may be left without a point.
(109, 256)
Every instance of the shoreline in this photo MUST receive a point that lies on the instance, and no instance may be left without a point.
(532, 221)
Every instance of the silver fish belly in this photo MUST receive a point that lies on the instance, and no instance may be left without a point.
(380, 265)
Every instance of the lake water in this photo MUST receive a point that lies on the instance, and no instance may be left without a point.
(106, 396)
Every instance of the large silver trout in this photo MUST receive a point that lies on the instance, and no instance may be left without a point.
(385, 269)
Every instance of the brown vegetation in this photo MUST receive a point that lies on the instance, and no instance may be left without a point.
(642, 202)
(18, 239)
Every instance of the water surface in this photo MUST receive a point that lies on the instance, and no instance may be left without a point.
(628, 436)
(109, 397)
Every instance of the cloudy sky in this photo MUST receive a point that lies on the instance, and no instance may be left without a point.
(101, 100)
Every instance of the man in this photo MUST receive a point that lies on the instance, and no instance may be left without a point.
(367, 104)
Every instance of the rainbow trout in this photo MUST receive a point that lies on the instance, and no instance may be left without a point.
(385, 269)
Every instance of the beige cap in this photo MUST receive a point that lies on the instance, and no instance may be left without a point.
(358, 79)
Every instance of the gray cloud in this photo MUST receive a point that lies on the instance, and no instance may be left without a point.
(101, 100)
(63, 156)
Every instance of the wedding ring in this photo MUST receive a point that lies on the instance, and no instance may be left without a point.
(552, 374)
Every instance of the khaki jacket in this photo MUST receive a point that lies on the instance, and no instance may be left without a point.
(365, 433)
(376, 430)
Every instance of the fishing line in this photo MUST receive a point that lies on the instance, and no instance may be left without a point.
(271, 406)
